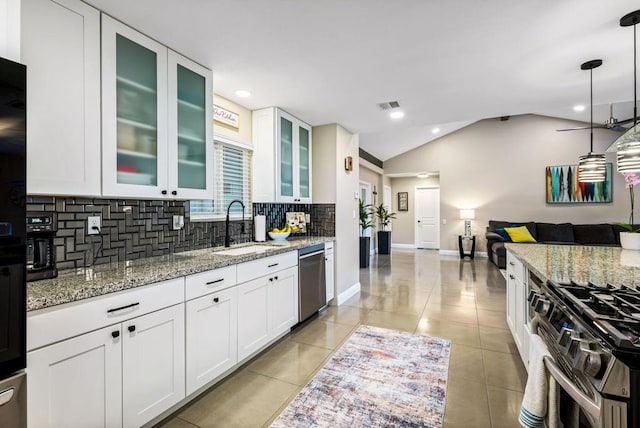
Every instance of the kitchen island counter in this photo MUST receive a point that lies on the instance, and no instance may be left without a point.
(600, 266)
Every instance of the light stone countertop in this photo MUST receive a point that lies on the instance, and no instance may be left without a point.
(78, 284)
(581, 264)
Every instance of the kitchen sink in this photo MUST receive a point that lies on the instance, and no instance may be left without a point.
(240, 251)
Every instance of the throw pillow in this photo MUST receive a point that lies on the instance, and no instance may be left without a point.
(500, 231)
(519, 234)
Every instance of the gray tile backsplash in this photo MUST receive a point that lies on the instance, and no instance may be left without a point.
(133, 229)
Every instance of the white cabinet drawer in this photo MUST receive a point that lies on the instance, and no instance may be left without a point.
(59, 323)
(261, 267)
(515, 267)
(200, 284)
(328, 248)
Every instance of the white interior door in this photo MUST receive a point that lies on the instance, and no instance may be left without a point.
(427, 218)
(365, 195)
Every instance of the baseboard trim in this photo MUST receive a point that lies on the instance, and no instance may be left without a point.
(348, 293)
(456, 253)
(405, 246)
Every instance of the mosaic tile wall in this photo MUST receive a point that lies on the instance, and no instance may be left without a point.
(323, 216)
(133, 229)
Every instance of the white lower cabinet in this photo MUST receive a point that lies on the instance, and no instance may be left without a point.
(121, 375)
(517, 305)
(267, 308)
(329, 269)
(253, 316)
(211, 337)
(153, 376)
(282, 302)
(77, 382)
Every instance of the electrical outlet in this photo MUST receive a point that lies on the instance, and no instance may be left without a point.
(178, 222)
(93, 221)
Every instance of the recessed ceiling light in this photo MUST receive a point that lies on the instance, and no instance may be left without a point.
(423, 175)
(243, 93)
(396, 115)
(578, 107)
(435, 130)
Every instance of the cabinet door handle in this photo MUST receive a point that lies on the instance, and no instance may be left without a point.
(275, 278)
(216, 299)
(164, 192)
(273, 265)
(512, 263)
(115, 334)
(270, 279)
(512, 277)
(121, 308)
(175, 192)
(131, 328)
(215, 281)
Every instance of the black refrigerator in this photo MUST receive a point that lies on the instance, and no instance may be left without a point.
(13, 321)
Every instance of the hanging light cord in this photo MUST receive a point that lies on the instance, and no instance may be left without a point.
(591, 91)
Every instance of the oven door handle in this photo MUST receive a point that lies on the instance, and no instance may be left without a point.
(590, 407)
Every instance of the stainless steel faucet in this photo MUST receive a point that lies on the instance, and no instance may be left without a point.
(226, 224)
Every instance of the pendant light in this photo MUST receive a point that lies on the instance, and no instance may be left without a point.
(628, 144)
(592, 166)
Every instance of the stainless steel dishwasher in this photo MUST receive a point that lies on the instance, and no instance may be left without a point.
(312, 288)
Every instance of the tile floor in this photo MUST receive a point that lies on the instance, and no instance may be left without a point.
(411, 290)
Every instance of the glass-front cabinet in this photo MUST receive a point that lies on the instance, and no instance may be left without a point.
(294, 163)
(156, 104)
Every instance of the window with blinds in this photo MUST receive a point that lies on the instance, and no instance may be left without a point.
(232, 180)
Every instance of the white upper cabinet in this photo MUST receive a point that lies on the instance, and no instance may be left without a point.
(281, 158)
(61, 49)
(156, 119)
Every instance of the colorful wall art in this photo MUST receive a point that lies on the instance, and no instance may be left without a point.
(563, 186)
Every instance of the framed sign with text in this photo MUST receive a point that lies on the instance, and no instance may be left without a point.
(403, 201)
(226, 117)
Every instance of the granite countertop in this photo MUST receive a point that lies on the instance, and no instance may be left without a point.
(581, 264)
(77, 284)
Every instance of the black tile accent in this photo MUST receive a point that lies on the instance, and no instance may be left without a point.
(133, 229)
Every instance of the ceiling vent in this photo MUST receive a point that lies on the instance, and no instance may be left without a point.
(389, 105)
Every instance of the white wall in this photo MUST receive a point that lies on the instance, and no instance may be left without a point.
(498, 168)
(335, 185)
(10, 29)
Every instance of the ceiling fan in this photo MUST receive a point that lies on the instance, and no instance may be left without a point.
(612, 123)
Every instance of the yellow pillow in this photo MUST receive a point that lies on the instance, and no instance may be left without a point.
(519, 234)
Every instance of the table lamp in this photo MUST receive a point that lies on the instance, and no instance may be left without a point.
(467, 215)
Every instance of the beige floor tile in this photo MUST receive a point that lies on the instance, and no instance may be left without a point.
(491, 304)
(497, 339)
(328, 335)
(504, 370)
(392, 320)
(290, 361)
(405, 300)
(455, 299)
(504, 406)
(459, 333)
(349, 315)
(246, 400)
(440, 311)
(364, 300)
(176, 422)
(467, 405)
(495, 319)
(466, 363)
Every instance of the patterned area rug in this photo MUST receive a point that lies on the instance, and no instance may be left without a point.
(379, 377)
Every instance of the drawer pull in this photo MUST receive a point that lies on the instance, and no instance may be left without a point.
(115, 334)
(216, 299)
(131, 328)
(273, 265)
(512, 263)
(121, 308)
(215, 281)
(275, 278)
(271, 279)
(512, 277)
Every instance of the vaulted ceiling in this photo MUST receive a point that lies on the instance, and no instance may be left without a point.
(448, 63)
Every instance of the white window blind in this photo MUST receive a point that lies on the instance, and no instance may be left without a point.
(232, 180)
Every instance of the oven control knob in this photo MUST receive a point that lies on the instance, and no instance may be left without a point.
(588, 361)
(564, 336)
(542, 306)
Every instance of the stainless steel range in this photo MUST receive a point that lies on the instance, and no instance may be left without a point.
(593, 334)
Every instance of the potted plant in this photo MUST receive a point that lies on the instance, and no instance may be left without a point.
(384, 236)
(630, 240)
(365, 223)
